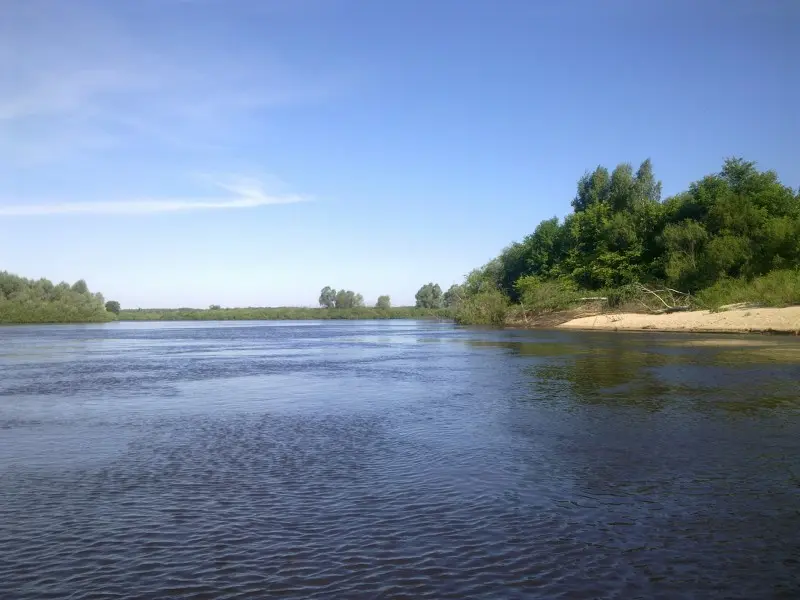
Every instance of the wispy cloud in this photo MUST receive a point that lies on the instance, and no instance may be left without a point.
(87, 68)
(244, 194)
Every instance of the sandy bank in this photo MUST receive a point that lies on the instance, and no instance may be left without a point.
(784, 320)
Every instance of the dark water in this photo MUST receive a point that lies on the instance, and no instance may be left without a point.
(395, 460)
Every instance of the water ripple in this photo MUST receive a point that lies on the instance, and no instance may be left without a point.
(456, 478)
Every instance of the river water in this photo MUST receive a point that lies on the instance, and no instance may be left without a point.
(396, 459)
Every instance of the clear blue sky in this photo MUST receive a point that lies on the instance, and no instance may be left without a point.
(250, 152)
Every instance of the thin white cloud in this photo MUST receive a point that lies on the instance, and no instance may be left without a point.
(246, 193)
(141, 207)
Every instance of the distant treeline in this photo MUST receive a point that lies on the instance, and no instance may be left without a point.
(278, 314)
(731, 236)
(41, 301)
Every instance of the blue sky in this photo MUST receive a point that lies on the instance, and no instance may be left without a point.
(250, 152)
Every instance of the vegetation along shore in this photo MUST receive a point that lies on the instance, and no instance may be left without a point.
(624, 258)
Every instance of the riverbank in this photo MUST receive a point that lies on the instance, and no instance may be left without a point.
(741, 320)
(287, 313)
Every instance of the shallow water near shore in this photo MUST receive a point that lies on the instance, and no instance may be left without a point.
(396, 459)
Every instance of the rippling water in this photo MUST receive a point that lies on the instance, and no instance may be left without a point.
(395, 460)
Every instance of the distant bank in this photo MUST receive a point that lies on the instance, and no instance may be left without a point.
(744, 320)
(281, 314)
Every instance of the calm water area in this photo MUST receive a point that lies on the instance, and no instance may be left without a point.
(396, 459)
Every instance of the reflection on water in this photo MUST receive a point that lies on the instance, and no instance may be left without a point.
(733, 374)
(391, 460)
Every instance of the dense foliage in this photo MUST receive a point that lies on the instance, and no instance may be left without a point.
(429, 296)
(40, 301)
(384, 302)
(330, 298)
(732, 231)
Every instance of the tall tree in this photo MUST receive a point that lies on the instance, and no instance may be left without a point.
(429, 296)
(592, 189)
(327, 297)
(647, 187)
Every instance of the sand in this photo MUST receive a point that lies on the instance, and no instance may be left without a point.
(783, 320)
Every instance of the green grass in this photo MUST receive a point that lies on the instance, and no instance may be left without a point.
(778, 289)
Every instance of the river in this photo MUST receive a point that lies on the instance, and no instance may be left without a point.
(396, 459)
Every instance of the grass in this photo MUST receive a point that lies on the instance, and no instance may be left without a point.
(778, 289)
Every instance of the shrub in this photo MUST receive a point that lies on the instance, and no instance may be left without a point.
(484, 308)
(547, 296)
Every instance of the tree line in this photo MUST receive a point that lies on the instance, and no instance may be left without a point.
(728, 235)
(41, 301)
(341, 299)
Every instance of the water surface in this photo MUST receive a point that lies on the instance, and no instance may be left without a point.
(396, 460)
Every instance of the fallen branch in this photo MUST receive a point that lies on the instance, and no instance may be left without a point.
(644, 289)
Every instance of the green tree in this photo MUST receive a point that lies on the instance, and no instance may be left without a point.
(39, 301)
(384, 302)
(327, 297)
(453, 296)
(80, 287)
(113, 306)
(348, 299)
(545, 248)
(622, 188)
(593, 188)
(740, 223)
(429, 296)
(684, 243)
(648, 189)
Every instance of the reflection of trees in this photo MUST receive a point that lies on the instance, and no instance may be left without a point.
(607, 374)
(543, 349)
(634, 375)
(651, 373)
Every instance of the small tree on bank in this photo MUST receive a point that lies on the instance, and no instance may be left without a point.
(348, 299)
(384, 302)
(113, 306)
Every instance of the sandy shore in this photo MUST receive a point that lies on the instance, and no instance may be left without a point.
(783, 320)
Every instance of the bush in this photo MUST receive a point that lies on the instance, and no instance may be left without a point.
(40, 301)
(484, 308)
(540, 296)
(621, 296)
